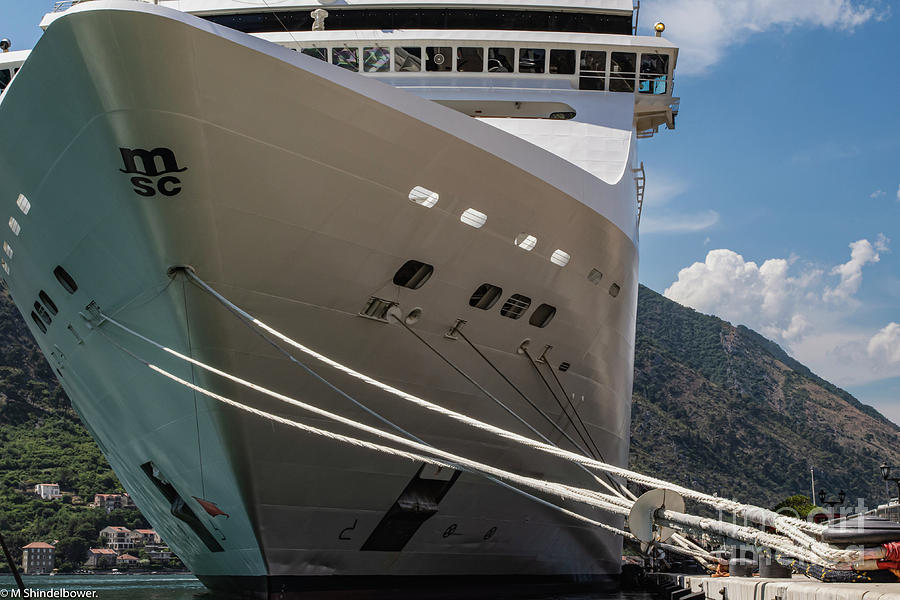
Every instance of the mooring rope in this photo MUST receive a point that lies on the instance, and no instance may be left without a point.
(793, 527)
(612, 504)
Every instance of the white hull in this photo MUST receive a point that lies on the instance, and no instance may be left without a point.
(294, 205)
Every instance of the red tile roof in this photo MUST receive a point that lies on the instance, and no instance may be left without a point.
(146, 531)
(102, 551)
(127, 557)
(37, 545)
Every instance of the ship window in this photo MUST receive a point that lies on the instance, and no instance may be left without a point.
(424, 196)
(515, 306)
(531, 60)
(38, 322)
(4, 78)
(595, 276)
(593, 70)
(470, 59)
(65, 280)
(654, 68)
(8, 249)
(14, 226)
(320, 53)
(562, 62)
(485, 296)
(376, 60)
(526, 242)
(438, 58)
(48, 302)
(560, 257)
(45, 316)
(347, 58)
(5, 266)
(622, 71)
(501, 60)
(614, 290)
(407, 59)
(413, 274)
(473, 218)
(542, 315)
(23, 204)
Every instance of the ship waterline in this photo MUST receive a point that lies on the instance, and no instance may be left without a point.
(144, 139)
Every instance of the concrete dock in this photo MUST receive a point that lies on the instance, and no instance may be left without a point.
(704, 587)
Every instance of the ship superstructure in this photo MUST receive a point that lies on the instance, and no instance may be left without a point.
(442, 196)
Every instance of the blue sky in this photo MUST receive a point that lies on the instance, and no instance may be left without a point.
(786, 153)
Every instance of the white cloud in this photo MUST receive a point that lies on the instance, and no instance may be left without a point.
(862, 252)
(798, 305)
(706, 29)
(884, 347)
(882, 243)
(898, 193)
(678, 223)
(879, 193)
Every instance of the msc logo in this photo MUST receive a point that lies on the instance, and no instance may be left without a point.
(153, 168)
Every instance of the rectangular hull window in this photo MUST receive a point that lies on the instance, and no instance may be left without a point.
(438, 58)
(413, 274)
(515, 306)
(38, 322)
(320, 53)
(485, 296)
(48, 302)
(562, 62)
(376, 60)
(470, 60)
(346, 58)
(593, 70)
(65, 280)
(532, 60)
(622, 68)
(501, 60)
(542, 315)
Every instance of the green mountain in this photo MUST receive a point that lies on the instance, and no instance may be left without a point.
(716, 407)
(722, 409)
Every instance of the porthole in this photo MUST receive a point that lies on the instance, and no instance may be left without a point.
(14, 226)
(413, 274)
(8, 249)
(38, 322)
(51, 306)
(485, 296)
(65, 280)
(542, 315)
(564, 366)
(23, 204)
(473, 218)
(42, 312)
(526, 241)
(595, 276)
(560, 258)
(424, 196)
(614, 290)
(515, 306)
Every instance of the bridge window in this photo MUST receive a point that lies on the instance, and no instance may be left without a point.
(407, 59)
(5, 78)
(515, 306)
(320, 53)
(532, 60)
(622, 71)
(8, 249)
(654, 68)
(14, 226)
(376, 60)
(526, 241)
(485, 296)
(473, 218)
(470, 59)
(438, 58)
(424, 196)
(501, 60)
(347, 58)
(593, 70)
(562, 62)
(23, 204)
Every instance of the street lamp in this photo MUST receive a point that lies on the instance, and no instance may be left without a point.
(823, 499)
(886, 475)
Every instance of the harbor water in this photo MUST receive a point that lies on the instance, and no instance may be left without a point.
(187, 587)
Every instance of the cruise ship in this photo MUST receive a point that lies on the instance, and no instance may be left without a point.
(441, 195)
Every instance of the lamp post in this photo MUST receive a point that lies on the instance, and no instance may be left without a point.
(831, 503)
(886, 475)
